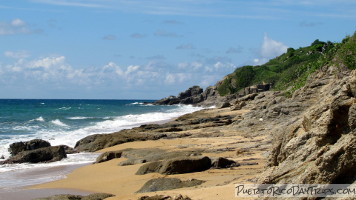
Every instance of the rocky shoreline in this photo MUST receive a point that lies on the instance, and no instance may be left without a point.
(255, 137)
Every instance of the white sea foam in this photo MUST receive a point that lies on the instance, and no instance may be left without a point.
(79, 118)
(64, 108)
(63, 134)
(137, 103)
(39, 119)
(59, 123)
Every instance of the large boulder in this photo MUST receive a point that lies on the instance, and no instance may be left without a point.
(185, 165)
(160, 184)
(45, 154)
(176, 166)
(18, 147)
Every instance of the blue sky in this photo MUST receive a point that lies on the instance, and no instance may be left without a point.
(149, 49)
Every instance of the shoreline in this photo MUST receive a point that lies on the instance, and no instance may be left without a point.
(121, 181)
(12, 189)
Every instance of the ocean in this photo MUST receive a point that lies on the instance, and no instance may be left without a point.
(67, 121)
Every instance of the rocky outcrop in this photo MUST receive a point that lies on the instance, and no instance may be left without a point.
(160, 184)
(192, 95)
(176, 166)
(99, 141)
(171, 129)
(319, 145)
(95, 196)
(45, 154)
(18, 147)
(254, 89)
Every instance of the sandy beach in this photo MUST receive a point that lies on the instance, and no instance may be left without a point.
(108, 177)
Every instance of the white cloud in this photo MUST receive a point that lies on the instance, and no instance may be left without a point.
(54, 73)
(16, 54)
(15, 26)
(270, 49)
(18, 22)
(47, 62)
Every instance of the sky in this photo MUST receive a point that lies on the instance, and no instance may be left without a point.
(149, 49)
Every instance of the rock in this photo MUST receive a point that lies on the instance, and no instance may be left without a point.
(18, 147)
(100, 141)
(160, 184)
(108, 156)
(238, 106)
(151, 167)
(45, 154)
(137, 156)
(164, 197)
(223, 163)
(193, 95)
(320, 145)
(185, 165)
(176, 166)
(95, 196)
(2, 157)
(225, 105)
(69, 150)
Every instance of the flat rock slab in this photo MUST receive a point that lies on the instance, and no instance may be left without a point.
(160, 184)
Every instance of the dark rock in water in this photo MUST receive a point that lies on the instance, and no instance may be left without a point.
(46, 154)
(2, 157)
(160, 184)
(95, 196)
(18, 147)
(69, 150)
(176, 166)
(108, 156)
(223, 163)
(164, 197)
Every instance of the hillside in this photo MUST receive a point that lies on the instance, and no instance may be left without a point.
(290, 71)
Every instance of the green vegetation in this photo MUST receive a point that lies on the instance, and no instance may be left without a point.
(290, 71)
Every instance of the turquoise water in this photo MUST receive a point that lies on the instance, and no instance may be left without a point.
(67, 121)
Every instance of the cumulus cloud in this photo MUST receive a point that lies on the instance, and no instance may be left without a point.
(270, 49)
(53, 73)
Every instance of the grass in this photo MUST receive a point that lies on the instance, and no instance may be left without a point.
(290, 71)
